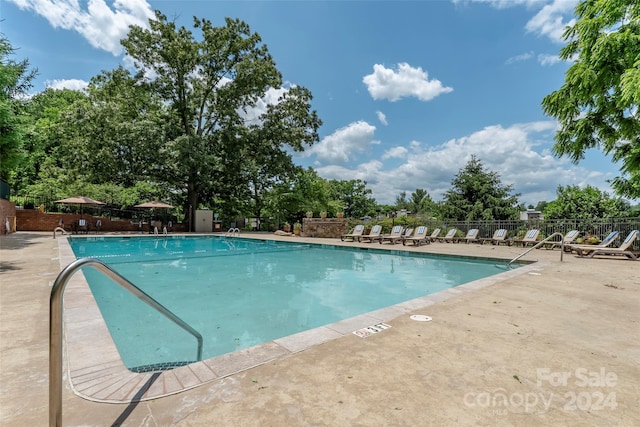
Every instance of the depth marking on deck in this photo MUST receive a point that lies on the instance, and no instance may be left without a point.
(370, 330)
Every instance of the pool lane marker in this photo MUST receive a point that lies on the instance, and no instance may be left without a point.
(370, 330)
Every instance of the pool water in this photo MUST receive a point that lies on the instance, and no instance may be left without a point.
(240, 292)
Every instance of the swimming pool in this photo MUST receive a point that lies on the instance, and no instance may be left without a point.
(239, 293)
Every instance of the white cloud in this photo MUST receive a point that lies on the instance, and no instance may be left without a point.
(538, 127)
(382, 118)
(502, 4)
(550, 20)
(405, 81)
(102, 26)
(344, 143)
(395, 153)
(271, 97)
(73, 84)
(519, 58)
(547, 59)
(519, 153)
(369, 172)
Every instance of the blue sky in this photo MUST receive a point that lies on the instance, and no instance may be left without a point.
(407, 91)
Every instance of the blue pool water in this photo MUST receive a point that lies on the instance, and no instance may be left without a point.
(239, 292)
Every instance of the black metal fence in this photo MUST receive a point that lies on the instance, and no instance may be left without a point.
(32, 202)
(518, 228)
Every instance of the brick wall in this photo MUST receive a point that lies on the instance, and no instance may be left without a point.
(35, 220)
(7, 216)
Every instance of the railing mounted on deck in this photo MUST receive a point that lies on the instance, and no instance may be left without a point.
(55, 326)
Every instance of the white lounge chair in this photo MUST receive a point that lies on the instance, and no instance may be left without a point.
(407, 232)
(419, 237)
(622, 250)
(373, 235)
(500, 236)
(583, 250)
(434, 235)
(530, 237)
(472, 236)
(394, 237)
(449, 237)
(354, 234)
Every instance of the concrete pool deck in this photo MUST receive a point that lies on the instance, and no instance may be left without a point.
(557, 345)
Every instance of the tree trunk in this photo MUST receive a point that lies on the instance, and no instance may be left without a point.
(258, 207)
(192, 204)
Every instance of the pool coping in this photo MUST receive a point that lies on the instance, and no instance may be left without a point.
(101, 376)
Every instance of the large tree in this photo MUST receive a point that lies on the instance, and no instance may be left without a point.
(211, 83)
(478, 194)
(598, 105)
(15, 80)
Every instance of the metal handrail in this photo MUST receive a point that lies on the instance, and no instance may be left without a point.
(232, 232)
(55, 326)
(541, 243)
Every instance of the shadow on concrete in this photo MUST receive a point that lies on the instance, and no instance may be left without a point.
(135, 401)
(19, 240)
(8, 266)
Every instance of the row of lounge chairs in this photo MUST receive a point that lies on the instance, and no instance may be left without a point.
(419, 236)
(398, 234)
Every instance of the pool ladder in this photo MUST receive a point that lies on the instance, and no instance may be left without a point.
(55, 326)
(233, 232)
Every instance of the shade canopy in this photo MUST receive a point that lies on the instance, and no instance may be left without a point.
(80, 200)
(154, 204)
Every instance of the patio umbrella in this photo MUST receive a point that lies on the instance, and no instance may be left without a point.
(154, 204)
(80, 201)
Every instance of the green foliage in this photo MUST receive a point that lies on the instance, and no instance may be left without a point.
(422, 203)
(351, 196)
(598, 105)
(44, 140)
(418, 197)
(118, 133)
(541, 206)
(479, 194)
(419, 202)
(584, 203)
(288, 123)
(312, 190)
(401, 201)
(15, 80)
